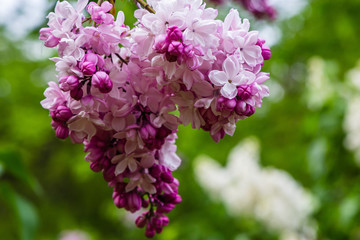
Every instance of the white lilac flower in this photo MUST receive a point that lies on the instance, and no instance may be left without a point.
(267, 194)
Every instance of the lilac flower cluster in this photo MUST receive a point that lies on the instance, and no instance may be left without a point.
(259, 8)
(118, 90)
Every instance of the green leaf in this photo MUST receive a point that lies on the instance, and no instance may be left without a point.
(25, 212)
(12, 163)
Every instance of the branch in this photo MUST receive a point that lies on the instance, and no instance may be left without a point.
(145, 5)
(112, 11)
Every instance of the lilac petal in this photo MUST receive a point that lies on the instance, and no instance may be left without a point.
(251, 38)
(106, 6)
(231, 67)
(239, 80)
(132, 164)
(120, 167)
(228, 90)
(253, 51)
(218, 78)
(147, 161)
(81, 4)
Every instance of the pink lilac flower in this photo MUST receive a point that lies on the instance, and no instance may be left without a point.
(118, 89)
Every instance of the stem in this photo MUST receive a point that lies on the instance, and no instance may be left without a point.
(145, 5)
(112, 11)
(87, 19)
(100, 2)
(122, 60)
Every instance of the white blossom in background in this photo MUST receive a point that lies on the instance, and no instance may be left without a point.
(351, 122)
(267, 194)
(74, 235)
(319, 88)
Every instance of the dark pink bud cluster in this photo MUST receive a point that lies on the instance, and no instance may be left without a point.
(260, 8)
(59, 121)
(265, 50)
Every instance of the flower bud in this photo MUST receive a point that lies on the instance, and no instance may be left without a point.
(166, 208)
(155, 171)
(165, 220)
(49, 39)
(133, 202)
(62, 131)
(176, 48)
(244, 92)
(250, 110)
(167, 177)
(76, 93)
(161, 45)
(149, 232)
(95, 166)
(156, 222)
(230, 104)
(88, 68)
(102, 81)
(266, 52)
(173, 34)
(189, 50)
(140, 221)
(68, 83)
(61, 114)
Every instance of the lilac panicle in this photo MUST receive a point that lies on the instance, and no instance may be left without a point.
(118, 89)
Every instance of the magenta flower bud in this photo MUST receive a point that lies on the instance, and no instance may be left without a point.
(76, 93)
(266, 52)
(140, 221)
(230, 104)
(167, 177)
(188, 50)
(156, 222)
(105, 162)
(62, 132)
(95, 166)
(144, 133)
(177, 199)
(155, 171)
(166, 208)
(169, 198)
(61, 114)
(176, 48)
(173, 34)
(165, 220)
(49, 39)
(161, 45)
(102, 81)
(149, 232)
(240, 107)
(133, 202)
(88, 68)
(244, 92)
(163, 132)
(109, 174)
(151, 130)
(68, 83)
(119, 201)
(250, 110)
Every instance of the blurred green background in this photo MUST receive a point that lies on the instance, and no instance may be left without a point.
(47, 188)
